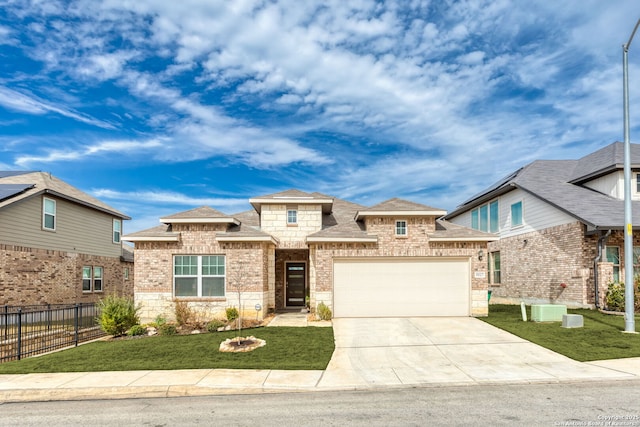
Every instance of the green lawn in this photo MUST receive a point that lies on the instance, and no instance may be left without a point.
(601, 338)
(287, 348)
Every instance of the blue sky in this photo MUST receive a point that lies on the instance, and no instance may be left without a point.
(159, 106)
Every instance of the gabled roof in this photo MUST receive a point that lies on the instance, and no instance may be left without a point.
(293, 197)
(399, 207)
(603, 161)
(341, 226)
(555, 182)
(201, 215)
(37, 183)
(159, 233)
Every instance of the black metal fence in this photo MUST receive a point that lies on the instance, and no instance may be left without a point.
(30, 330)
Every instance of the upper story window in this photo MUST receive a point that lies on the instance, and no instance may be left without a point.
(486, 217)
(117, 230)
(401, 228)
(516, 214)
(292, 216)
(49, 214)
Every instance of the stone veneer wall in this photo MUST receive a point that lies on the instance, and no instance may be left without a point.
(30, 276)
(247, 262)
(416, 244)
(534, 265)
(273, 220)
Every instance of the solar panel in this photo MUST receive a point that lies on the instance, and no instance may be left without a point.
(10, 190)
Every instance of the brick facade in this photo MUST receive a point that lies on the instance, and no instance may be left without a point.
(416, 244)
(535, 265)
(258, 255)
(249, 263)
(30, 276)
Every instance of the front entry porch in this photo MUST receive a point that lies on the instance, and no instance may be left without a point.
(292, 278)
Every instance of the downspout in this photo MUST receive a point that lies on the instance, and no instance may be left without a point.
(596, 260)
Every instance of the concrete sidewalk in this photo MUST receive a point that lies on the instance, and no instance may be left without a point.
(482, 355)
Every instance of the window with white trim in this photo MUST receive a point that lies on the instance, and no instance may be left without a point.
(49, 214)
(486, 217)
(292, 216)
(97, 279)
(401, 228)
(199, 275)
(117, 230)
(92, 279)
(494, 268)
(613, 256)
(516, 214)
(87, 274)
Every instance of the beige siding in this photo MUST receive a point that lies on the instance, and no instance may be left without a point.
(78, 229)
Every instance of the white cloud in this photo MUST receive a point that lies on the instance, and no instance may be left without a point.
(21, 102)
(84, 151)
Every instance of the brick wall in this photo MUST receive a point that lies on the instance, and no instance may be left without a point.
(248, 263)
(534, 265)
(282, 257)
(30, 276)
(416, 244)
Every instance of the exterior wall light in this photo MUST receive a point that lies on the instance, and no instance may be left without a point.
(480, 255)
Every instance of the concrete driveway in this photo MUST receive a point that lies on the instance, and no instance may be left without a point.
(452, 350)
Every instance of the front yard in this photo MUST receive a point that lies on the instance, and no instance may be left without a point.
(600, 338)
(287, 348)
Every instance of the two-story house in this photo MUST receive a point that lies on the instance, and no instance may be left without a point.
(560, 227)
(392, 259)
(58, 245)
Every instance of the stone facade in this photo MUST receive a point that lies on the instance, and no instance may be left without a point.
(31, 276)
(554, 265)
(273, 220)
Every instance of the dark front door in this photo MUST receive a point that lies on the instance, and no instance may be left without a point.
(295, 279)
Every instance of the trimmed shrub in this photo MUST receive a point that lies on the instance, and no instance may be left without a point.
(137, 330)
(159, 321)
(324, 312)
(117, 314)
(213, 325)
(232, 313)
(167, 329)
(615, 297)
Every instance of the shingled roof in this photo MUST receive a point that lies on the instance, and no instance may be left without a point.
(557, 183)
(36, 183)
(342, 223)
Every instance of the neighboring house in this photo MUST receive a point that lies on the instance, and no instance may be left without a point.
(392, 259)
(58, 245)
(560, 224)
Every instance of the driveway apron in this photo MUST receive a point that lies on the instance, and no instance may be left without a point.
(374, 352)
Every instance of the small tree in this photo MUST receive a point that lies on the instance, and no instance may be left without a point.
(239, 281)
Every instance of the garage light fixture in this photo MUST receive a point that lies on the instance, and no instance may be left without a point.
(480, 255)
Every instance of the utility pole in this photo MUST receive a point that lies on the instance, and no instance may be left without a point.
(629, 319)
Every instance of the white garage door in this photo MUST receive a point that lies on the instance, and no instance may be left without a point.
(392, 287)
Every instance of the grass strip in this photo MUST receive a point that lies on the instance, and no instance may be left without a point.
(287, 348)
(601, 337)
